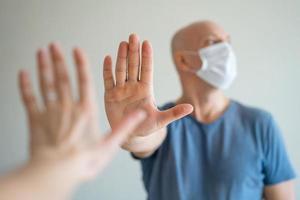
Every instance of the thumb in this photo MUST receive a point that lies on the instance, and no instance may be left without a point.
(173, 114)
(127, 125)
(107, 146)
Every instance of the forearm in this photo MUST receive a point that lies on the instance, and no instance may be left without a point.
(38, 181)
(145, 146)
(281, 191)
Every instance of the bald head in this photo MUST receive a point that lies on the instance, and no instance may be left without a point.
(198, 35)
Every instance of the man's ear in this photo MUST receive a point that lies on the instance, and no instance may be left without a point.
(180, 61)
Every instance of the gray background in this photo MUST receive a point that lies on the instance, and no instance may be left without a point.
(265, 35)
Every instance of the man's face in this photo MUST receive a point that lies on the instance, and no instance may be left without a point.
(204, 36)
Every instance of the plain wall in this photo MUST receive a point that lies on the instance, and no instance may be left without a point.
(265, 36)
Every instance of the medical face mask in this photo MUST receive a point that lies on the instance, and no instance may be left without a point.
(218, 65)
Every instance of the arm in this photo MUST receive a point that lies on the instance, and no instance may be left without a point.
(279, 173)
(65, 143)
(132, 89)
(39, 180)
(281, 191)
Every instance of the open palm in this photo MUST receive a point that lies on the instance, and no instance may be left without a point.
(132, 88)
(65, 128)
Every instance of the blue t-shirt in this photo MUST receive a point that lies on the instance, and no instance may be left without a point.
(232, 158)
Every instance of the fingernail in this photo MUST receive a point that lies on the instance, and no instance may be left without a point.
(54, 45)
(132, 36)
(40, 50)
(191, 107)
(23, 72)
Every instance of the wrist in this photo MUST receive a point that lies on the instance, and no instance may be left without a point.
(54, 164)
(56, 177)
(144, 146)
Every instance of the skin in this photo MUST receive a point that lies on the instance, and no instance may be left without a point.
(126, 93)
(205, 102)
(66, 147)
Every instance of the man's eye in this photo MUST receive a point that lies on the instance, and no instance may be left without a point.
(210, 42)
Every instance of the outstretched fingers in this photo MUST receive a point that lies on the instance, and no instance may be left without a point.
(84, 77)
(121, 65)
(61, 75)
(132, 65)
(46, 78)
(108, 78)
(133, 58)
(147, 63)
(27, 94)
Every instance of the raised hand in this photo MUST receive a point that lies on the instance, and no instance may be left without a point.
(65, 128)
(132, 88)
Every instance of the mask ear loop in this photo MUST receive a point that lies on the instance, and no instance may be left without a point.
(194, 53)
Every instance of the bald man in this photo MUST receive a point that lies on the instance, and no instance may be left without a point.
(202, 145)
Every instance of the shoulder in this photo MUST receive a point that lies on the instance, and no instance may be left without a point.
(261, 123)
(253, 114)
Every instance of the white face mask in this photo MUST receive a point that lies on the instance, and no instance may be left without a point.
(218, 65)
